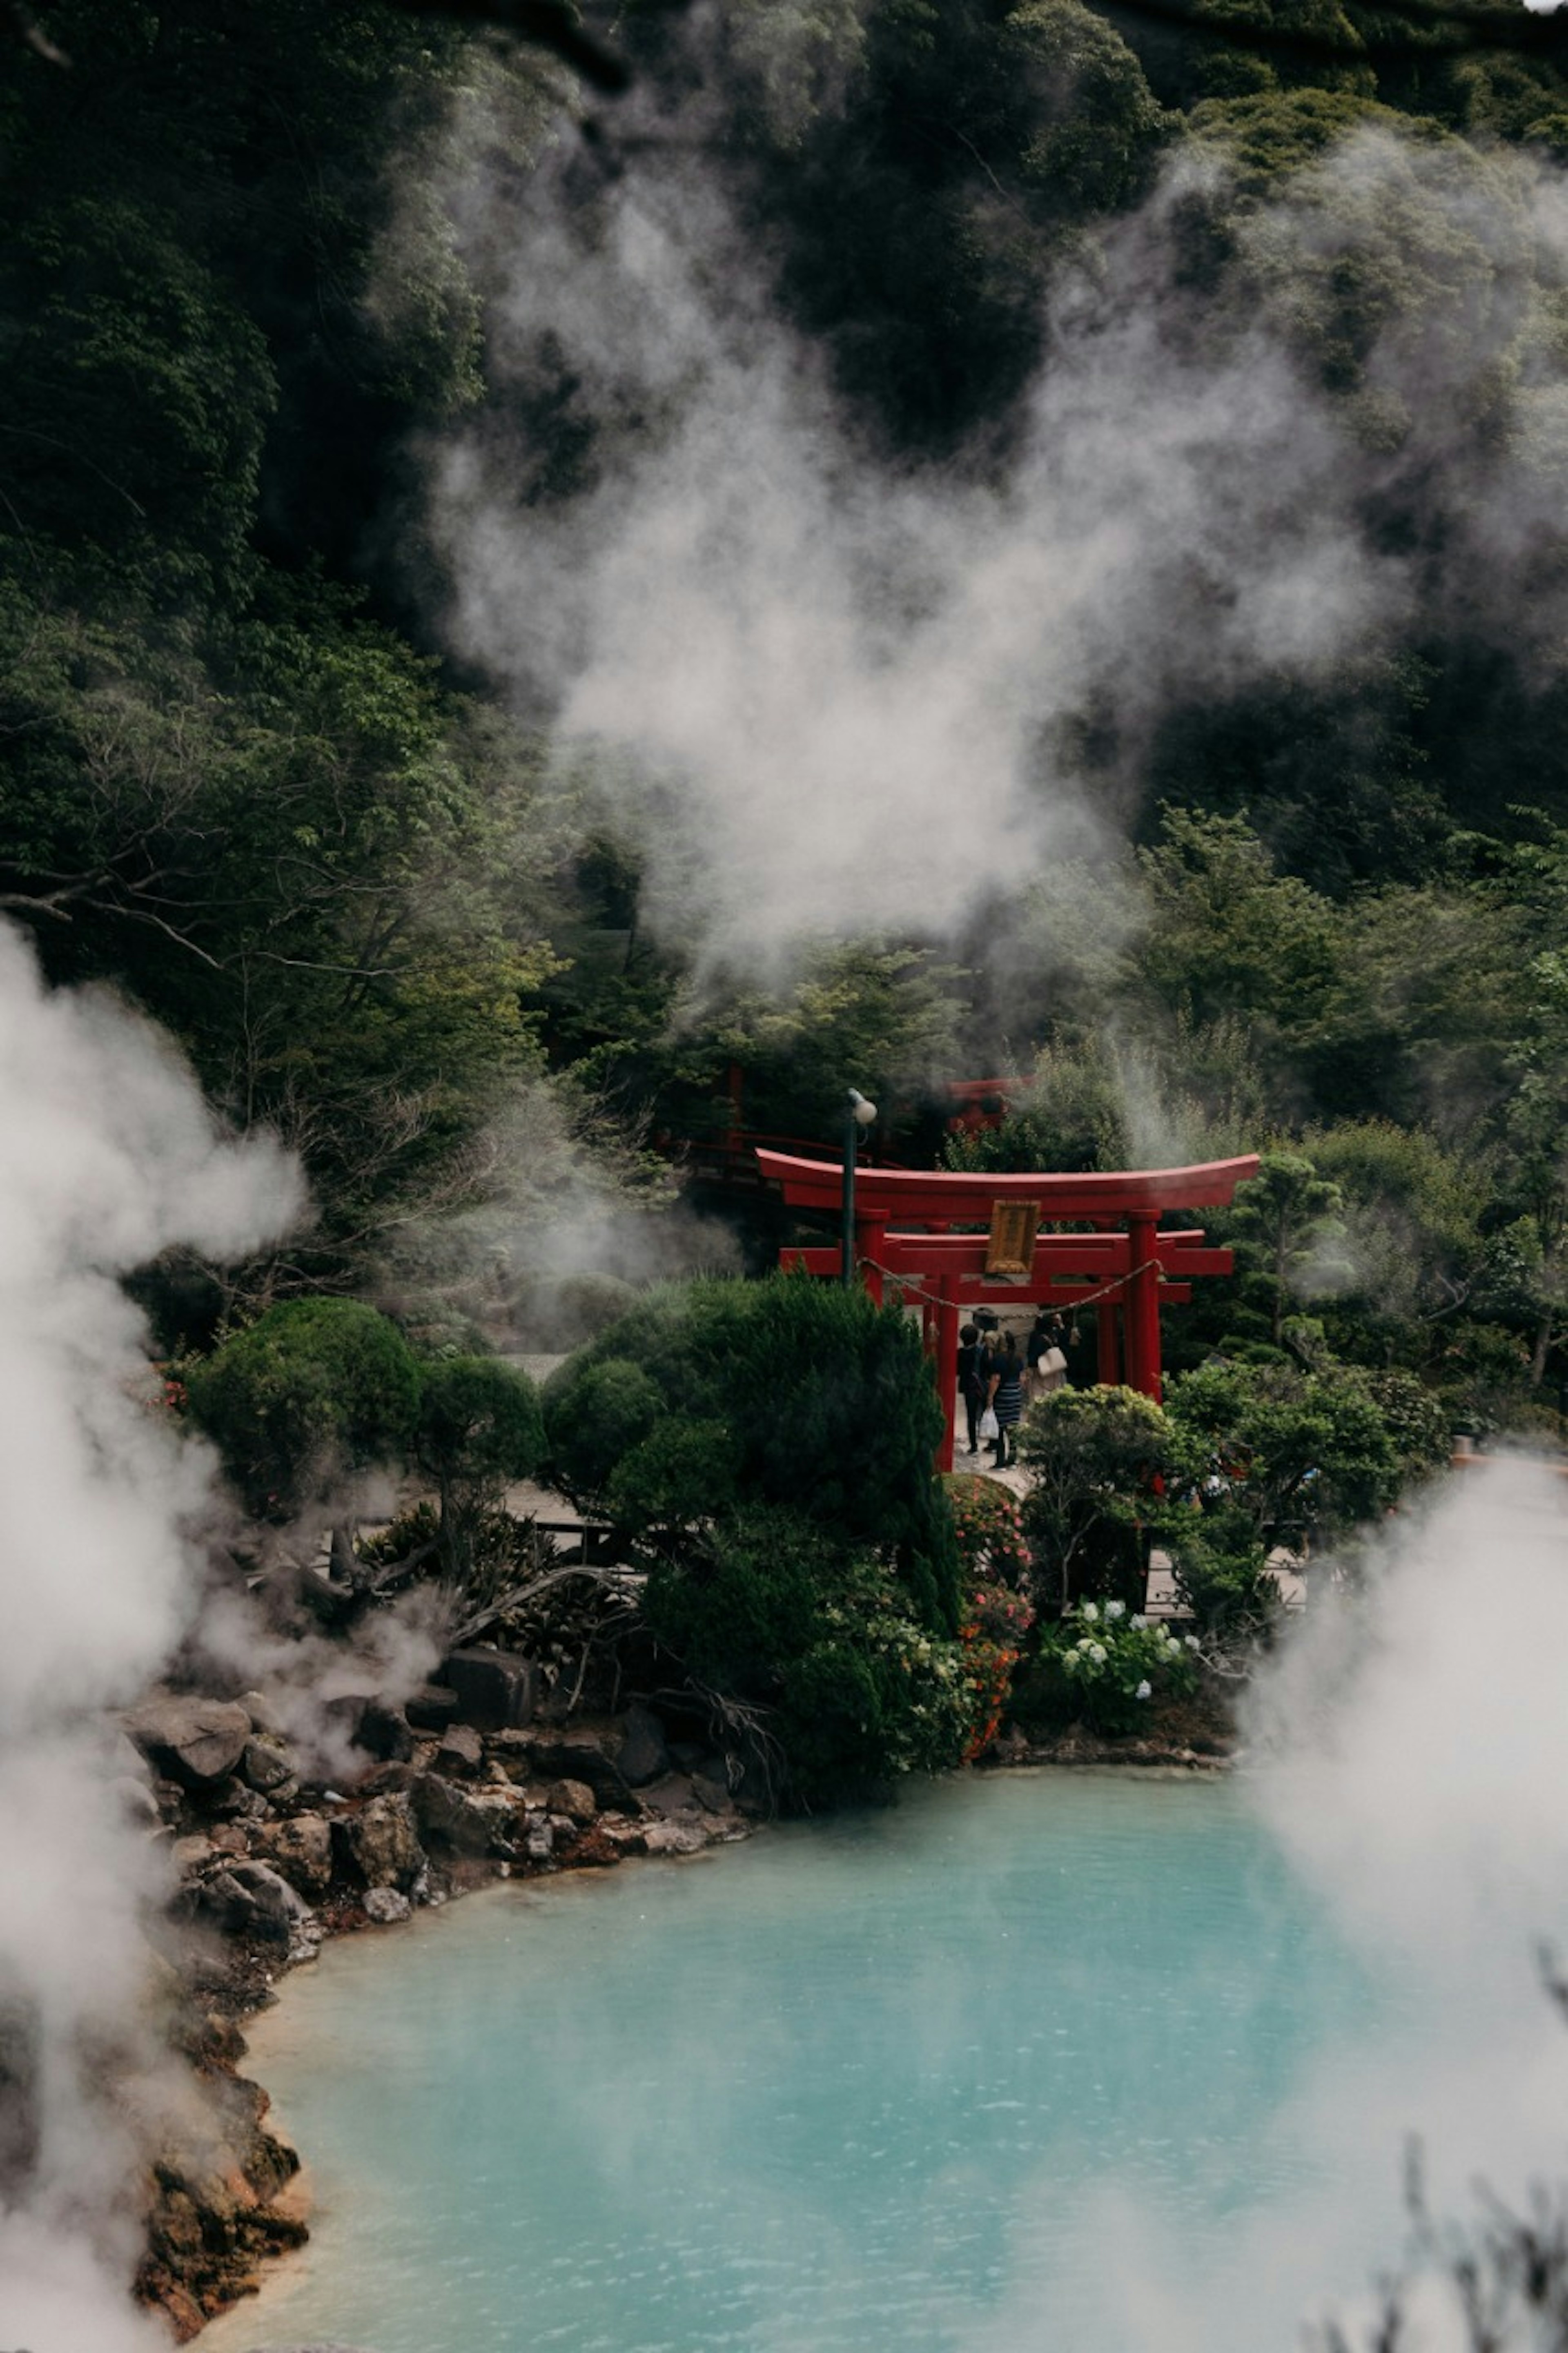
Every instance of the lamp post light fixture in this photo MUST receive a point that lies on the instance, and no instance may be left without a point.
(858, 1113)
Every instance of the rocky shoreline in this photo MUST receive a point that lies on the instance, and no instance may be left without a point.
(270, 1863)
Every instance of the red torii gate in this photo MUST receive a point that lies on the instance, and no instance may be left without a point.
(904, 1223)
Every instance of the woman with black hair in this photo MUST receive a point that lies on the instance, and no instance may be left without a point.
(971, 1386)
(1005, 1397)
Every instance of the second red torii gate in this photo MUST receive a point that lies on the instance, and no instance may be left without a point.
(904, 1227)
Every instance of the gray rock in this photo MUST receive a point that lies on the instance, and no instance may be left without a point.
(580, 1760)
(687, 1837)
(469, 1821)
(431, 1708)
(263, 1716)
(386, 1906)
(301, 1850)
(380, 1843)
(195, 1742)
(384, 1732)
(266, 1765)
(238, 1804)
(673, 1795)
(249, 1899)
(495, 1691)
(124, 1761)
(644, 1754)
(713, 1796)
(573, 1798)
(136, 1802)
(192, 1856)
(461, 1750)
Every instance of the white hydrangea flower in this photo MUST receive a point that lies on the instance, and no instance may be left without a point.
(1191, 1641)
(1097, 1652)
(1089, 1613)
(1138, 1620)
(1114, 1609)
(1144, 1691)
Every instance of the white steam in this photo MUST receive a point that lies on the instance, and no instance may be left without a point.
(826, 698)
(1411, 1756)
(107, 1158)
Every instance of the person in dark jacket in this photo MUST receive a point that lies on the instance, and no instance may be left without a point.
(1005, 1395)
(971, 1386)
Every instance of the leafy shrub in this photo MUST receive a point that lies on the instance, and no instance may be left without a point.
(827, 1408)
(1093, 1456)
(479, 1426)
(1220, 1565)
(312, 1390)
(1102, 1666)
(767, 1611)
(1294, 1447)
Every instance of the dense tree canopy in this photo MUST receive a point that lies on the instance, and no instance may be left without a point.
(248, 278)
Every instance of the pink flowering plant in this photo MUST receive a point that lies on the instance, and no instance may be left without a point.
(996, 1616)
(989, 1524)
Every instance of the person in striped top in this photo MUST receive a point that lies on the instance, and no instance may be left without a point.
(1004, 1395)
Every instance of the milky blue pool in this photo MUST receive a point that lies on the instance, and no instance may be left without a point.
(1027, 2060)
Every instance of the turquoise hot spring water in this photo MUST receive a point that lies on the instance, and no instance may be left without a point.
(1027, 2060)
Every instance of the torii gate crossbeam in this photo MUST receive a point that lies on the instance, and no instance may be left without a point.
(904, 1222)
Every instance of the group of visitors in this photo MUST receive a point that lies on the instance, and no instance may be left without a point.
(999, 1379)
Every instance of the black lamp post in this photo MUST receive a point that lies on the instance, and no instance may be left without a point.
(858, 1113)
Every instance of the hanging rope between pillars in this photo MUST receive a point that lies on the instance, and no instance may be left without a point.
(913, 1289)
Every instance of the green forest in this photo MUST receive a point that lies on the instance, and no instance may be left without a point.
(1206, 400)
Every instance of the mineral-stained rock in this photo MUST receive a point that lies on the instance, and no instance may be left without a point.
(643, 1752)
(469, 1821)
(496, 1691)
(380, 1842)
(213, 2183)
(196, 1742)
(631, 1838)
(301, 1850)
(460, 1751)
(573, 1798)
(384, 1905)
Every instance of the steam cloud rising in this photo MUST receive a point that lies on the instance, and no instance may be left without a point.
(824, 697)
(1410, 1755)
(107, 1158)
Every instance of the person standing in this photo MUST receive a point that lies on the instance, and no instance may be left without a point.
(1005, 1397)
(971, 1386)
